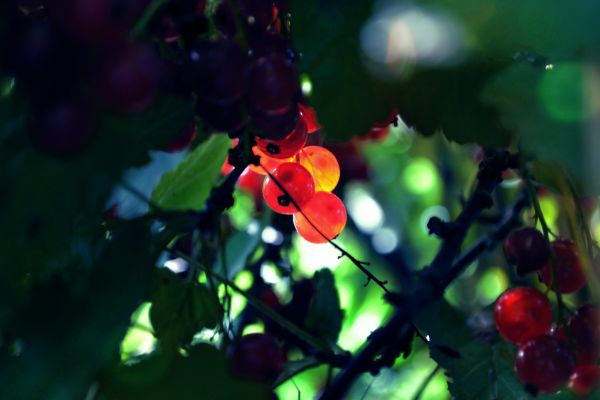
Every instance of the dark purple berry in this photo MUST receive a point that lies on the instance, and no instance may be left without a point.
(62, 129)
(527, 249)
(272, 84)
(215, 70)
(128, 80)
(256, 356)
(544, 363)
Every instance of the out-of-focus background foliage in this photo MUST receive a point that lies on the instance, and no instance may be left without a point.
(460, 73)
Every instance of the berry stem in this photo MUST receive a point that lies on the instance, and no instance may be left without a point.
(539, 215)
(361, 265)
(258, 304)
(139, 28)
(444, 268)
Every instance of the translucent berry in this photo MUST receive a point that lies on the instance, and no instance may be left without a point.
(569, 273)
(544, 363)
(326, 212)
(298, 184)
(584, 329)
(267, 163)
(585, 379)
(527, 249)
(521, 314)
(274, 126)
(256, 356)
(288, 146)
(322, 165)
(252, 183)
(309, 115)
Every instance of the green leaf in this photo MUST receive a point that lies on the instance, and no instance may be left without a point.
(180, 309)
(202, 373)
(325, 316)
(188, 185)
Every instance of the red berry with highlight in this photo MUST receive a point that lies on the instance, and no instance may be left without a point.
(521, 314)
(585, 379)
(544, 363)
(298, 184)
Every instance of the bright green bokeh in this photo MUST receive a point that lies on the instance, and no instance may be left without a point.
(421, 176)
(244, 280)
(566, 92)
(492, 284)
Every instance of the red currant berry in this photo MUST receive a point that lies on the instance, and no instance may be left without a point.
(252, 183)
(63, 129)
(256, 356)
(326, 212)
(287, 147)
(585, 379)
(128, 81)
(584, 329)
(569, 273)
(527, 249)
(298, 184)
(544, 363)
(272, 84)
(322, 165)
(183, 140)
(309, 115)
(521, 314)
(267, 163)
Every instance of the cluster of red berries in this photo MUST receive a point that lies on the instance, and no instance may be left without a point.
(299, 180)
(549, 356)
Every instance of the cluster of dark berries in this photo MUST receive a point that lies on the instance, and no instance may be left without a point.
(549, 356)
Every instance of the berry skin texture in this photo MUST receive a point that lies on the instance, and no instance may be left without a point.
(63, 129)
(584, 328)
(527, 249)
(327, 212)
(298, 183)
(272, 84)
(256, 356)
(322, 165)
(128, 81)
(569, 273)
(585, 379)
(544, 363)
(287, 147)
(522, 314)
(267, 163)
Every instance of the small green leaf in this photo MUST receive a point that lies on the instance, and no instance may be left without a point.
(188, 185)
(180, 309)
(325, 316)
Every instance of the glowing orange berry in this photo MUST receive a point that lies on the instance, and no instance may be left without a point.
(322, 165)
(269, 163)
(326, 212)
